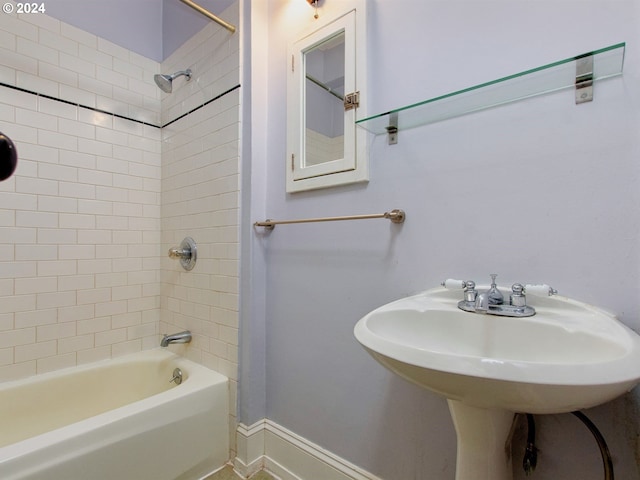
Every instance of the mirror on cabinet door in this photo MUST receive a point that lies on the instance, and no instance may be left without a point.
(325, 96)
(324, 102)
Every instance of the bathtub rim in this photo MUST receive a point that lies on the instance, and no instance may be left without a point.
(198, 378)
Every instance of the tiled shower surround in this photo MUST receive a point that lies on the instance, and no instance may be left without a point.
(101, 192)
(200, 199)
(80, 271)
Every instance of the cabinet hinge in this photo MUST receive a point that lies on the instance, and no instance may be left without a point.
(292, 63)
(293, 161)
(351, 101)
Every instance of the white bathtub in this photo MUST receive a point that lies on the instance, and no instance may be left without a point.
(115, 420)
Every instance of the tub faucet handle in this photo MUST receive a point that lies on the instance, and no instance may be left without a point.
(187, 252)
(179, 253)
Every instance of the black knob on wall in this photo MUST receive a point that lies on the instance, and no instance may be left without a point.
(8, 157)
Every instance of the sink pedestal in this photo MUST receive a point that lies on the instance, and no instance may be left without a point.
(484, 446)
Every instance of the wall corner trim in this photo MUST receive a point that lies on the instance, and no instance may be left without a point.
(267, 445)
(250, 444)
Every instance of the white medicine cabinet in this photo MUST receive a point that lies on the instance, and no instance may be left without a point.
(326, 95)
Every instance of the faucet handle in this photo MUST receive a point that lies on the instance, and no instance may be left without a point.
(470, 292)
(517, 298)
(453, 284)
(179, 253)
(543, 290)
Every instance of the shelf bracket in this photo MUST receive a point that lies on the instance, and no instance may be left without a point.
(392, 129)
(584, 79)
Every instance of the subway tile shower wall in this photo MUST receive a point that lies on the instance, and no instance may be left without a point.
(200, 196)
(82, 259)
(200, 199)
(80, 219)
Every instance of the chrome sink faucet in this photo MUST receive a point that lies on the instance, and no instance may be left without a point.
(181, 337)
(491, 302)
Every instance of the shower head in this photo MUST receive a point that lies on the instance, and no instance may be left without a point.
(165, 82)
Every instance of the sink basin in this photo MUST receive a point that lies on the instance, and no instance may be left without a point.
(568, 356)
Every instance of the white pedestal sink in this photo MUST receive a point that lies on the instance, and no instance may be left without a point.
(567, 357)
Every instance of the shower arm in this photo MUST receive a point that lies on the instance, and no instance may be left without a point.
(187, 73)
(207, 13)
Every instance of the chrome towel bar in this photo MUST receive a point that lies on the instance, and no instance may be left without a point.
(396, 216)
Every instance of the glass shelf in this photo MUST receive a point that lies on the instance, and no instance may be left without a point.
(607, 62)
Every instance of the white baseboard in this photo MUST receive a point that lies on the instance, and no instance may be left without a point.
(288, 456)
(250, 448)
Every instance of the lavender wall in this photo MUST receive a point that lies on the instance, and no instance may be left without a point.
(180, 22)
(538, 191)
(133, 25)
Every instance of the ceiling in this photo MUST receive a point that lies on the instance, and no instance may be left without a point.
(152, 28)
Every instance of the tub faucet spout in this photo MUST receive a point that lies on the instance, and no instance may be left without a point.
(181, 337)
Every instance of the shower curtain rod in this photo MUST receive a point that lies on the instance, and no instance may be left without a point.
(207, 13)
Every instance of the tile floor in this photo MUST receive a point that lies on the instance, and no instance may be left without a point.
(227, 473)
